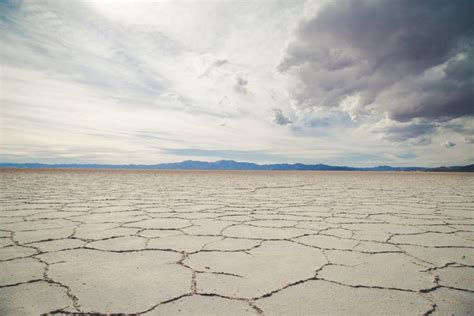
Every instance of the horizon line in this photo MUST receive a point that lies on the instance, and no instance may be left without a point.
(167, 165)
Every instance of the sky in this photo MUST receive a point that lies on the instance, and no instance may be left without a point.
(358, 83)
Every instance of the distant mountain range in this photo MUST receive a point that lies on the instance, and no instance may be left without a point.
(232, 165)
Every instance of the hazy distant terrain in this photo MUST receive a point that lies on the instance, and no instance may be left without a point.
(236, 242)
(234, 165)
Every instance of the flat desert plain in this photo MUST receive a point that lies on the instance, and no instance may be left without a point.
(236, 243)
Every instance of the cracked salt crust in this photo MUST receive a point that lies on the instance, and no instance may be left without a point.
(236, 243)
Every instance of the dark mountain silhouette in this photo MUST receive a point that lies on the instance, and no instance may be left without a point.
(232, 165)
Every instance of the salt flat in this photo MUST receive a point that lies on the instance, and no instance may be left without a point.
(236, 243)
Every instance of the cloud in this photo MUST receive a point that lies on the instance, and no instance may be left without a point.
(449, 144)
(279, 118)
(415, 132)
(220, 62)
(125, 81)
(407, 155)
(216, 64)
(462, 126)
(410, 61)
(241, 85)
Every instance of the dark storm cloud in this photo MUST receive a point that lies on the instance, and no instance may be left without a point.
(404, 131)
(406, 59)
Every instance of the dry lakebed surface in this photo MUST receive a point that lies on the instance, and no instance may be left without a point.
(236, 243)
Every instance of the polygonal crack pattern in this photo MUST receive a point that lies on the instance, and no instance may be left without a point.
(235, 243)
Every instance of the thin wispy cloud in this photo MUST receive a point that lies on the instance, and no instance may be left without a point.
(353, 82)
